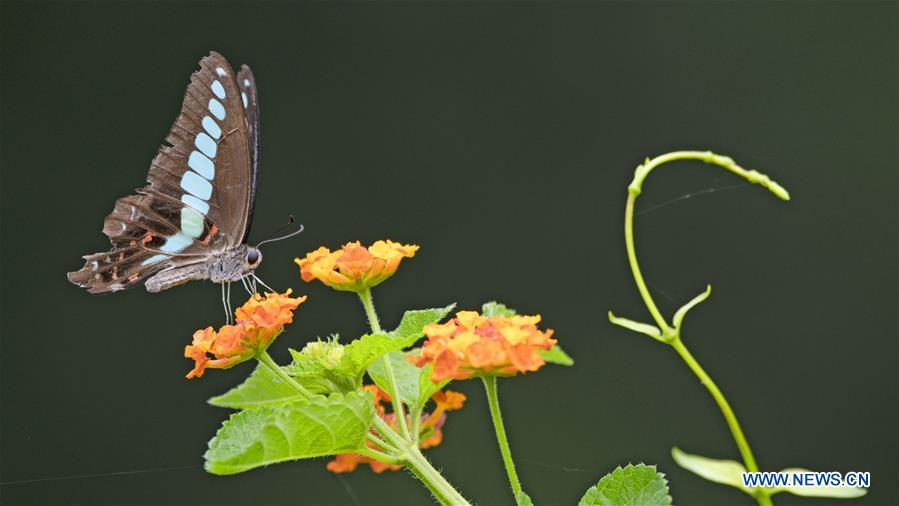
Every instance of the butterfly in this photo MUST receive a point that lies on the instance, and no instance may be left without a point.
(192, 220)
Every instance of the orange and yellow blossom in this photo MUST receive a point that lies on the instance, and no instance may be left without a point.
(353, 267)
(259, 321)
(472, 344)
(430, 427)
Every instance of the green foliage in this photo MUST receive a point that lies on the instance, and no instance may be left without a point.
(414, 321)
(556, 355)
(310, 428)
(494, 308)
(414, 384)
(405, 374)
(361, 353)
(728, 472)
(638, 485)
(262, 388)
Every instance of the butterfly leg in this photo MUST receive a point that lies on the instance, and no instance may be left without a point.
(226, 305)
(255, 277)
(246, 286)
(228, 297)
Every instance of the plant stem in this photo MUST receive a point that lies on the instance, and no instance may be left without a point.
(384, 445)
(493, 402)
(672, 335)
(369, 305)
(729, 416)
(266, 359)
(409, 455)
(723, 405)
(377, 455)
(635, 267)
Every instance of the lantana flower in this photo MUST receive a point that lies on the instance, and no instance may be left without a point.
(472, 344)
(259, 321)
(430, 429)
(353, 267)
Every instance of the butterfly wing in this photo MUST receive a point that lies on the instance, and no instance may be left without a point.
(200, 193)
(250, 101)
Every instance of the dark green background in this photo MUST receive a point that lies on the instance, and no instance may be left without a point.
(500, 137)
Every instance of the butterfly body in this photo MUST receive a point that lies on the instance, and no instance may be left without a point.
(225, 267)
(192, 219)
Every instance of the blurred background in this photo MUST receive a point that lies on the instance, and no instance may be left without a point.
(500, 137)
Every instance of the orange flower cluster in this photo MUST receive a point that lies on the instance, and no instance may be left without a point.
(472, 344)
(430, 429)
(259, 321)
(353, 267)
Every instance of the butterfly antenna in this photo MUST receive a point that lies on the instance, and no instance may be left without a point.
(289, 223)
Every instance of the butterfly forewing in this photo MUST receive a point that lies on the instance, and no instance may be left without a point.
(250, 102)
(200, 192)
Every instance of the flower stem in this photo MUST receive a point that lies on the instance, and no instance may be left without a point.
(493, 402)
(384, 445)
(369, 305)
(409, 455)
(671, 335)
(266, 359)
(378, 455)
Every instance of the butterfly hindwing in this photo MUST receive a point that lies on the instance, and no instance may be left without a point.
(201, 188)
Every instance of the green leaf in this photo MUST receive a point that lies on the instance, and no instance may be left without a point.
(522, 499)
(556, 355)
(729, 472)
(362, 352)
(404, 372)
(838, 492)
(414, 321)
(310, 428)
(494, 308)
(726, 472)
(678, 319)
(643, 328)
(426, 387)
(638, 485)
(261, 388)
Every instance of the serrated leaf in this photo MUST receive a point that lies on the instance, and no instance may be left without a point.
(726, 472)
(556, 355)
(404, 372)
(415, 320)
(310, 428)
(261, 388)
(494, 308)
(362, 352)
(639, 485)
(837, 492)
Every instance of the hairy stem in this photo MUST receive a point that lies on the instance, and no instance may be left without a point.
(409, 455)
(266, 359)
(369, 305)
(493, 402)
